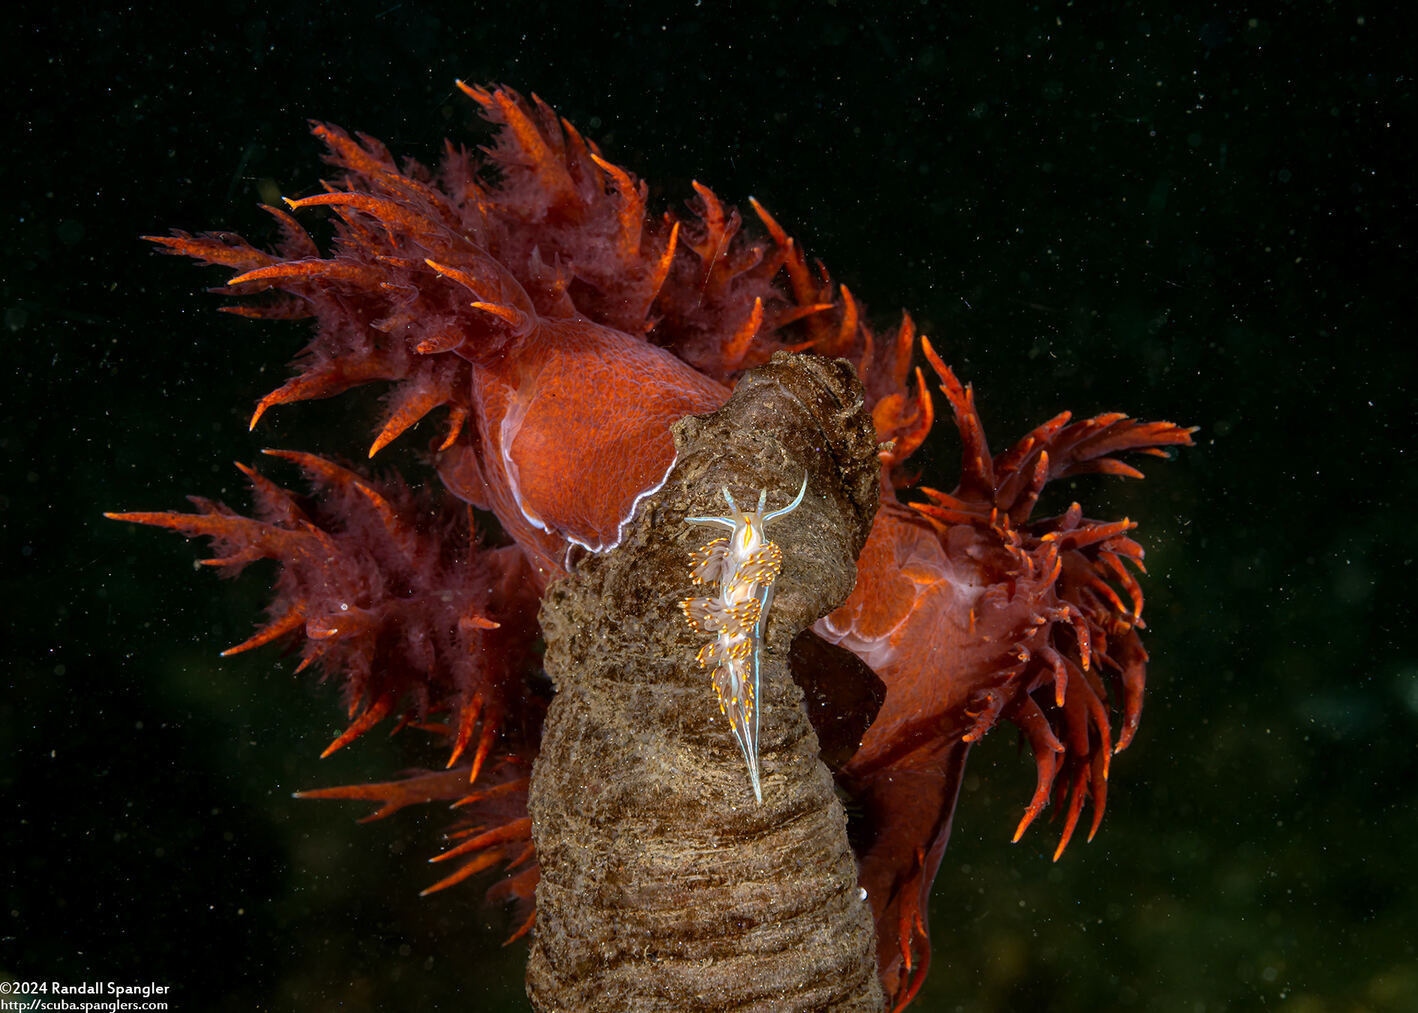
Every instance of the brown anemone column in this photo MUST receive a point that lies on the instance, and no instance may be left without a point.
(665, 885)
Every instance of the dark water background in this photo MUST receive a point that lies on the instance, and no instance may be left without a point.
(1193, 212)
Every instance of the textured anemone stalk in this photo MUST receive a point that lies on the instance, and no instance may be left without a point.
(664, 884)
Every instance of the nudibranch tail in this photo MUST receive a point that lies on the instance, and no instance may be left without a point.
(744, 566)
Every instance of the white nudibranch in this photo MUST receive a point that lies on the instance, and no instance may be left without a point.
(743, 567)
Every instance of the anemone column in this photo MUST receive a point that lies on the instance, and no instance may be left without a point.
(665, 885)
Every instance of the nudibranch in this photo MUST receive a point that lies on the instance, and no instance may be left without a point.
(743, 565)
(561, 329)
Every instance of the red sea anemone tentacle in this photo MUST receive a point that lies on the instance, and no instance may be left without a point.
(376, 712)
(382, 588)
(518, 830)
(494, 828)
(977, 478)
(467, 721)
(395, 795)
(1005, 617)
(1031, 721)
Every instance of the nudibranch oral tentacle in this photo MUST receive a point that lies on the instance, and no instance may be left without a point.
(745, 566)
